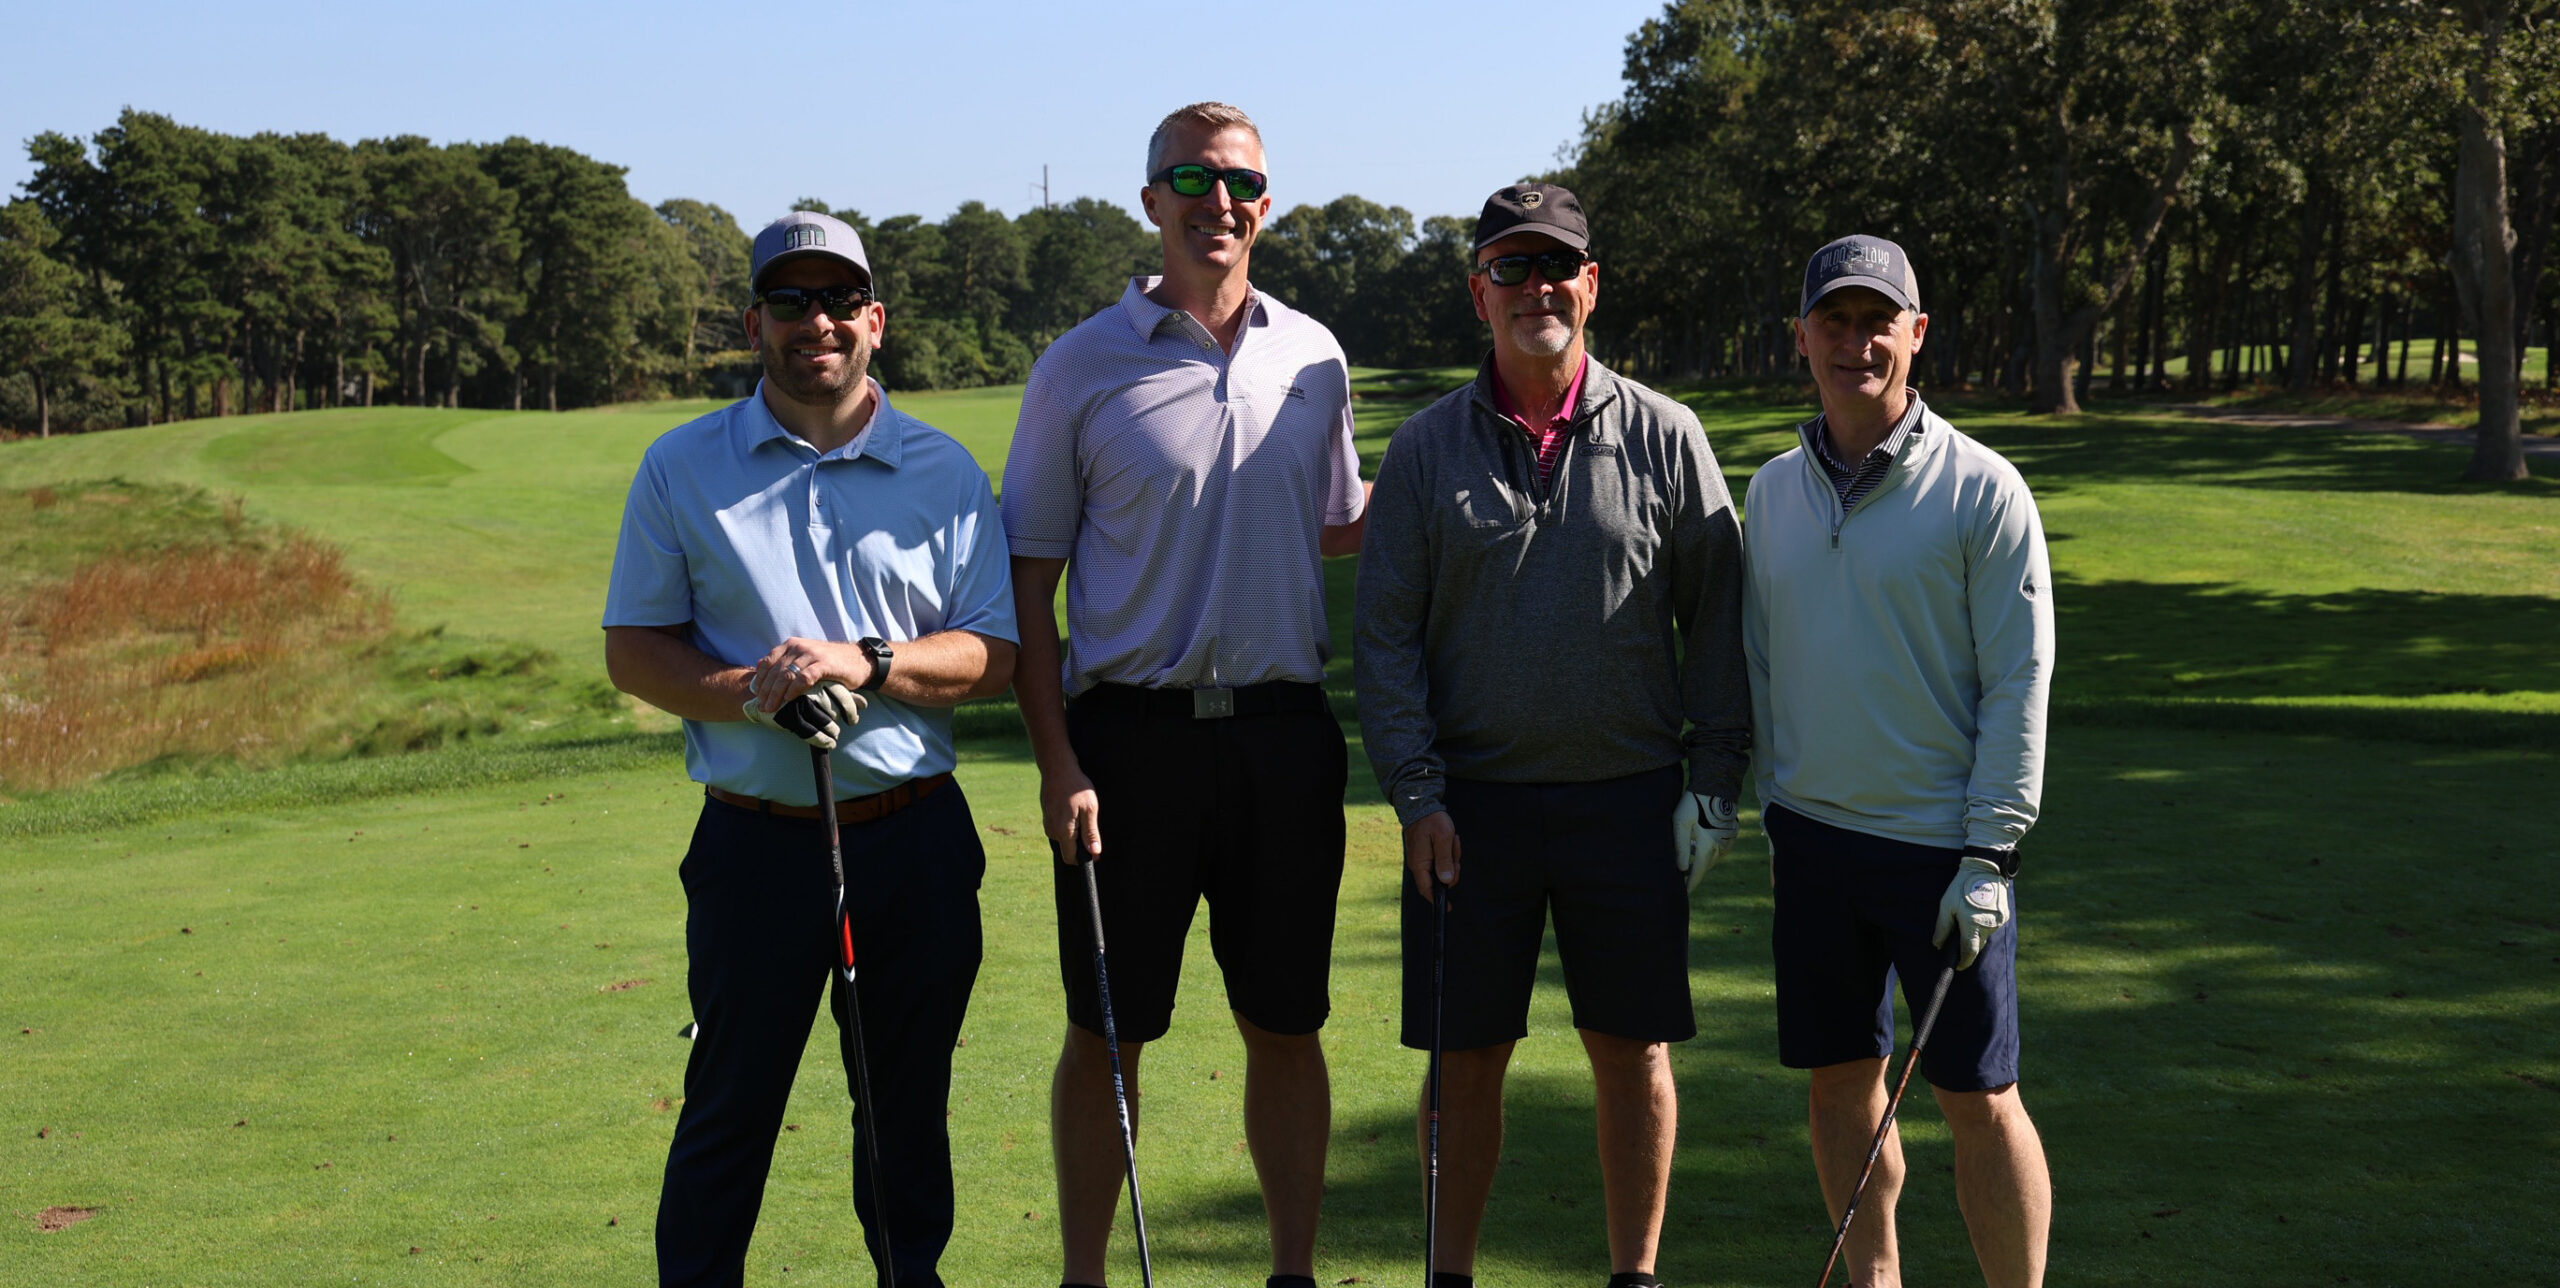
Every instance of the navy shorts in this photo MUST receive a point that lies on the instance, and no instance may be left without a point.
(1244, 812)
(1854, 911)
(1599, 856)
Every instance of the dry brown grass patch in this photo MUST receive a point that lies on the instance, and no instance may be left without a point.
(203, 649)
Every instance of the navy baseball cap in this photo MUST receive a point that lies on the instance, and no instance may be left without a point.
(1860, 260)
(802, 234)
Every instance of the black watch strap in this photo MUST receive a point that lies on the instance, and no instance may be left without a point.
(878, 650)
(2004, 855)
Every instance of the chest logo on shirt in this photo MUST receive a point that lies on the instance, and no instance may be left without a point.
(1297, 392)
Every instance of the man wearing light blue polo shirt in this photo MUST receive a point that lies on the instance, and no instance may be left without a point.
(808, 536)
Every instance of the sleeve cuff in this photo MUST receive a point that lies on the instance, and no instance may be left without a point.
(1032, 548)
(1418, 801)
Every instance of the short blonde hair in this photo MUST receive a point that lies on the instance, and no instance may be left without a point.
(1209, 115)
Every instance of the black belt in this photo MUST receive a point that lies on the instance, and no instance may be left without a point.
(1279, 697)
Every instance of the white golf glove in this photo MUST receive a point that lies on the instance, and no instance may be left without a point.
(1975, 905)
(818, 717)
(1703, 828)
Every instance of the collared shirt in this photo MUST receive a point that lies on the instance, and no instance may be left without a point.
(1187, 488)
(742, 530)
(1853, 485)
(1625, 577)
(1549, 441)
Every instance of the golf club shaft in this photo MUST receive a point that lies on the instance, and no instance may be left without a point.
(864, 1113)
(1119, 1086)
(1431, 1184)
(1875, 1150)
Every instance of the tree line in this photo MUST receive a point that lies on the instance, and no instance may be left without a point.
(158, 272)
(2188, 193)
(2287, 192)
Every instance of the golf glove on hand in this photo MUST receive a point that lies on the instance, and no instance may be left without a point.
(818, 717)
(1703, 828)
(1976, 905)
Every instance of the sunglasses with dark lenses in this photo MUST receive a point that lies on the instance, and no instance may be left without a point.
(792, 303)
(1554, 265)
(1192, 180)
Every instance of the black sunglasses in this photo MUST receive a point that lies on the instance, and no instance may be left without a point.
(1554, 265)
(1192, 179)
(791, 303)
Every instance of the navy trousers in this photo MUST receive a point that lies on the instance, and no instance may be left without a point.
(759, 926)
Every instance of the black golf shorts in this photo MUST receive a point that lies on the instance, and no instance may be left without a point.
(1244, 811)
(1854, 911)
(1599, 857)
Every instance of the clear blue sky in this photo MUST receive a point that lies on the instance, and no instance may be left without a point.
(891, 109)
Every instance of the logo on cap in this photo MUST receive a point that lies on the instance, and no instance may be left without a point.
(799, 235)
(1532, 198)
(1856, 257)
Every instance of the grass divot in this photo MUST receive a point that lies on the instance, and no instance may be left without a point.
(63, 1218)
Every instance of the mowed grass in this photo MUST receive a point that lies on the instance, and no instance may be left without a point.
(2291, 959)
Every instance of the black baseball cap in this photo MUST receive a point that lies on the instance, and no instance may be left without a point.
(1860, 260)
(1533, 208)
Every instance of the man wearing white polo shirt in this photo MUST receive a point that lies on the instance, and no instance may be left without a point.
(778, 558)
(1185, 461)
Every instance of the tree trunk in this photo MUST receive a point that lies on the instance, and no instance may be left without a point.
(2306, 288)
(44, 406)
(2204, 300)
(2059, 338)
(2483, 263)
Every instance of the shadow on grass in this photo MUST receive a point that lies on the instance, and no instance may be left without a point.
(2189, 654)
(2057, 455)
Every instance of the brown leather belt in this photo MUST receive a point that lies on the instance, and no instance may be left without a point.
(850, 809)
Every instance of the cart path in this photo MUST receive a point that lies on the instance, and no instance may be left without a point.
(2541, 446)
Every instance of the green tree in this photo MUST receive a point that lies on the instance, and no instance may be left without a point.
(45, 331)
(449, 229)
(721, 252)
(1078, 257)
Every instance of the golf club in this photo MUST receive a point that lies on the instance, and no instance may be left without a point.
(1431, 1182)
(1119, 1088)
(819, 759)
(1919, 1039)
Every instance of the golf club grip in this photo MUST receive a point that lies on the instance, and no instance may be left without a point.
(1875, 1149)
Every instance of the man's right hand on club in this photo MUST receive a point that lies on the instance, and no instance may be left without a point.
(1431, 851)
(1071, 813)
(1976, 905)
(819, 717)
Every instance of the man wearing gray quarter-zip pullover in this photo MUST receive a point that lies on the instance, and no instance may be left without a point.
(1899, 625)
(1549, 625)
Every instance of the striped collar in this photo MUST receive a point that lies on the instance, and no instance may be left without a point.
(1884, 452)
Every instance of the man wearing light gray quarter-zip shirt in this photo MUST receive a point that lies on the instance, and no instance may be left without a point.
(1899, 625)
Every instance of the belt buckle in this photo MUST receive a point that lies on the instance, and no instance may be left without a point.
(1212, 704)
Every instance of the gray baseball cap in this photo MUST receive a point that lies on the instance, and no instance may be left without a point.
(804, 233)
(1860, 260)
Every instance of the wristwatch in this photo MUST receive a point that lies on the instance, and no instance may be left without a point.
(2004, 855)
(878, 650)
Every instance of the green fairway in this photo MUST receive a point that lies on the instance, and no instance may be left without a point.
(2290, 959)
